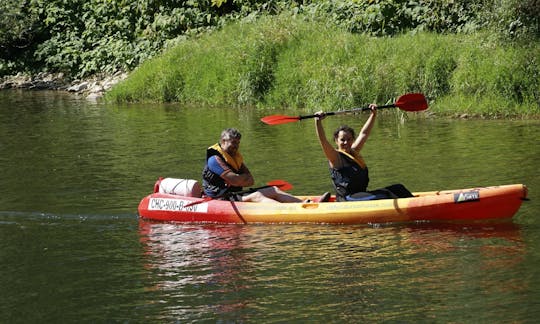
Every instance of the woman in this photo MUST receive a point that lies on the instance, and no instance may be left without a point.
(347, 167)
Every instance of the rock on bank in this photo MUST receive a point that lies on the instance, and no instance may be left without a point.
(92, 88)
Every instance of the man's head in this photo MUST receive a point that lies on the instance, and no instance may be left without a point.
(230, 140)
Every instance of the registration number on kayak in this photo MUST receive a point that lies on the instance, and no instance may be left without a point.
(473, 195)
(176, 205)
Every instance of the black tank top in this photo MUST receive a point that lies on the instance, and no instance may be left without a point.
(350, 178)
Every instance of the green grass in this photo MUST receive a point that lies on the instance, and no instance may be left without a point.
(293, 63)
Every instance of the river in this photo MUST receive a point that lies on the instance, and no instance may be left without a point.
(73, 249)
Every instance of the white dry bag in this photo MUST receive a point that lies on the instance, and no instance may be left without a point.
(181, 187)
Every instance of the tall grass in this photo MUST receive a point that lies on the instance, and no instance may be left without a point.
(290, 62)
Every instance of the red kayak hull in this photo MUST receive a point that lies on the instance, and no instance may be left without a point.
(472, 204)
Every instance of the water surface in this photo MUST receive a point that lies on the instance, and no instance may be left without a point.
(73, 248)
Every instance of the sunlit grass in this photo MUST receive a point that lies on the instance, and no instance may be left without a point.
(287, 62)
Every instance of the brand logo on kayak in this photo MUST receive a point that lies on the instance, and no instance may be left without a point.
(467, 196)
(176, 205)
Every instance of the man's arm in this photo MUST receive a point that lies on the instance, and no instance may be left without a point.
(241, 179)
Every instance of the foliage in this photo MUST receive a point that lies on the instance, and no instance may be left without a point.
(284, 61)
(232, 66)
(514, 19)
(17, 37)
(101, 36)
(390, 17)
(86, 37)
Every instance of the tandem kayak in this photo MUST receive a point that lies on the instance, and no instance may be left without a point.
(471, 204)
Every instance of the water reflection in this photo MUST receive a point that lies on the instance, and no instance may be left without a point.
(196, 262)
(232, 271)
(505, 230)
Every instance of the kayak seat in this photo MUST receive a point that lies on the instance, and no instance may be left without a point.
(362, 196)
(390, 192)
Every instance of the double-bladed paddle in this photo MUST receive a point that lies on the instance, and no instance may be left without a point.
(407, 102)
(281, 184)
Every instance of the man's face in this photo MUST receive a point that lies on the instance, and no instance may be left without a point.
(230, 145)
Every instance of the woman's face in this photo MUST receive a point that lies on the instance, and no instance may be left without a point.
(344, 140)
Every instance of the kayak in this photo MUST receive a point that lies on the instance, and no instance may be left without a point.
(460, 205)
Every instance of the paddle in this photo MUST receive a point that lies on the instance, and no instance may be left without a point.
(407, 102)
(281, 184)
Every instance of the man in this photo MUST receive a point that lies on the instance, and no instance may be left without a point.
(225, 173)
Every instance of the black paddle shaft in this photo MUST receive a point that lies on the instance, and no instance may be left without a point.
(347, 111)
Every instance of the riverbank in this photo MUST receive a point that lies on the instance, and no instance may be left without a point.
(91, 88)
(287, 63)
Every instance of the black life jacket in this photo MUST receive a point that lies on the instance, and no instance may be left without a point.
(214, 186)
(350, 178)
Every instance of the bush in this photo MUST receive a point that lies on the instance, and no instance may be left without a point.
(86, 37)
(284, 61)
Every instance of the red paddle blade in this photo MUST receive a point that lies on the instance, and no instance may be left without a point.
(279, 119)
(412, 102)
(281, 184)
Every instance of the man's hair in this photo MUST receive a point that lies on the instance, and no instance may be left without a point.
(230, 133)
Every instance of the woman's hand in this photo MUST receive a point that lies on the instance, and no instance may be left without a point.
(320, 115)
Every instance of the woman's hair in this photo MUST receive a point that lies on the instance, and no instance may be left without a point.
(344, 128)
(231, 133)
